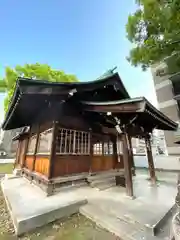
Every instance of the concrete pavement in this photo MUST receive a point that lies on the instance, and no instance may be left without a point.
(111, 208)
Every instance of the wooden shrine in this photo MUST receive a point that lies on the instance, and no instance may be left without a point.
(74, 130)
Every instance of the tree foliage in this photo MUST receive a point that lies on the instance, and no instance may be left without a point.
(154, 31)
(32, 71)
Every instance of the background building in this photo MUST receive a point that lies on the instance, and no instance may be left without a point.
(7, 144)
(167, 90)
(138, 146)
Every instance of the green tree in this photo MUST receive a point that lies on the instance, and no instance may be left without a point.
(33, 71)
(153, 29)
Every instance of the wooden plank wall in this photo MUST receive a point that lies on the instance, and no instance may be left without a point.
(42, 165)
(105, 163)
(29, 162)
(102, 163)
(67, 165)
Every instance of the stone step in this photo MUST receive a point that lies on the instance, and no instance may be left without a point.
(102, 180)
(165, 227)
(69, 187)
(134, 213)
(122, 229)
(104, 175)
(103, 185)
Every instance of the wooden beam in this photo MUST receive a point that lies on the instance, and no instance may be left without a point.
(131, 155)
(126, 107)
(53, 149)
(127, 166)
(150, 159)
(36, 147)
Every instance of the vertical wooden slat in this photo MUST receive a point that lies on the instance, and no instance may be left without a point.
(65, 147)
(127, 166)
(85, 140)
(61, 140)
(53, 149)
(78, 134)
(81, 144)
(36, 147)
(74, 143)
(89, 142)
(150, 159)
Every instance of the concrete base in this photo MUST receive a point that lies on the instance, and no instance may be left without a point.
(30, 208)
(17, 172)
(139, 218)
(104, 180)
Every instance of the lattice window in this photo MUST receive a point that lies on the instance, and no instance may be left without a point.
(97, 148)
(45, 141)
(32, 144)
(108, 148)
(101, 148)
(73, 142)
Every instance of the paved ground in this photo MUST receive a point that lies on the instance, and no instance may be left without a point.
(112, 206)
(132, 219)
(76, 227)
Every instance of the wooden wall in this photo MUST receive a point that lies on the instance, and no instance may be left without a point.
(29, 162)
(67, 165)
(105, 163)
(21, 147)
(102, 163)
(64, 165)
(42, 165)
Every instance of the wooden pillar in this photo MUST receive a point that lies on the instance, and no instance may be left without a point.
(36, 147)
(131, 156)
(127, 165)
(150, 159)
(53, 149)
(26, 147)
(17, 154)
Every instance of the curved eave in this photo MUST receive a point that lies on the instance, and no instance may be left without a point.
(139, 105)
(39, 91)
(113, 79)
(14, 100)
(161, 116)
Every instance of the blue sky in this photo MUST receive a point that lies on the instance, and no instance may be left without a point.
(82, 37)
